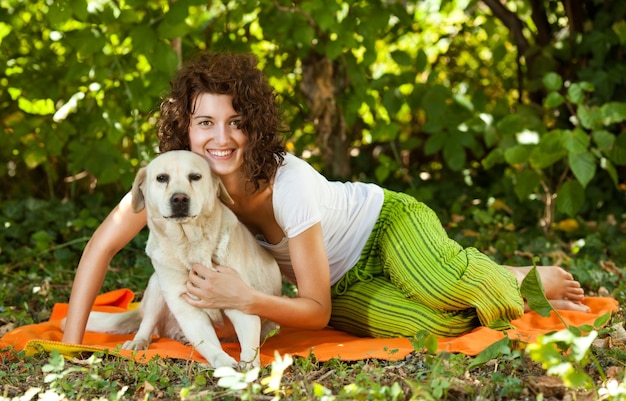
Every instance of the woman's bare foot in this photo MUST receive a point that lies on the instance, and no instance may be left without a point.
(562, 291)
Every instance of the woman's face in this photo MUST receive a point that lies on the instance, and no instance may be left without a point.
(214, 133)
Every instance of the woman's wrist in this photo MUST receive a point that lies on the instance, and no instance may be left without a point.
(252, 301)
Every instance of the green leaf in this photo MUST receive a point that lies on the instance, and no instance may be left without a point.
(164, 58)
(570, 198)
(493, 351)
(143, 38)
(581, 345)
(5, 30)
(589, 118)
(613, 112)
(517, 155)
(381, 173)
(552, 81)
(618, 153)
(526, 183)
(333, 49)
(583, 166)
(576, 92)
(424, 340)
(402, 58)
(602, 320)
(607, 166)
(34, 156)
(435, 103)
(604, 139)
(535, 295)
(576, 379)
(553, 100)
(454, 155)
(493, 158)
(422, 60)
(576, 140)
(620, 30)
(549, 150)
(79, 9)
(434, 143)
(37, 106)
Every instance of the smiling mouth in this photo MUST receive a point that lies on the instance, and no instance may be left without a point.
(221, 153)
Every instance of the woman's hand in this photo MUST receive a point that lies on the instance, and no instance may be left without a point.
(221, 288)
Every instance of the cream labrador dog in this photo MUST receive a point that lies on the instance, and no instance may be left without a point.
(188, 224)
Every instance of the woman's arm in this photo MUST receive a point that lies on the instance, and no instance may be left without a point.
(309, 310)
(120, 226)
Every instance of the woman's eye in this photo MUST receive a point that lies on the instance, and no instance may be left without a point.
(205, 123)
(235, 123)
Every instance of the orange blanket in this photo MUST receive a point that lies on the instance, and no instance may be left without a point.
(324, 344)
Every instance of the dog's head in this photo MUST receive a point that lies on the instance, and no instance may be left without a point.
(177, 185)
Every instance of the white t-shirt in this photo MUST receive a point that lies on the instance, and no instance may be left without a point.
(347, 211)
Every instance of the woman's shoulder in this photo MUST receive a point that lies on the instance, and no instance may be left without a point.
(294, 168)
(291, 161)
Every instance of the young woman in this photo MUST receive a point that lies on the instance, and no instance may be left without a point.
(364, 259)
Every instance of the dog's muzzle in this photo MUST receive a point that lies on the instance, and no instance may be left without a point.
(179, 204)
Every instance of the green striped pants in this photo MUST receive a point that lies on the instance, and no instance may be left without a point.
(412, 276)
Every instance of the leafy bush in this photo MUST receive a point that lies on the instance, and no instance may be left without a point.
(40, 246)
(404, 94)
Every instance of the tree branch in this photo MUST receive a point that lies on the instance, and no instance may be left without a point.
(296, 10)
(510, 20)
(540, 18)
(574, 10)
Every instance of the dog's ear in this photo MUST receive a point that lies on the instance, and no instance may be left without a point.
(138, 202)
(222, 193)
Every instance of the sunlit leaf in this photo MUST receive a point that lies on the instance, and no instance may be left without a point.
(5, 29)
(37, 106)
(535, 295)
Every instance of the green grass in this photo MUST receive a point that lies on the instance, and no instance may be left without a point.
(41, 246)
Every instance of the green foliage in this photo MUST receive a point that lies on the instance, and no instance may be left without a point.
(40, 246)
(534, 294)
(420, 94)
(515, 145)
(565, 353)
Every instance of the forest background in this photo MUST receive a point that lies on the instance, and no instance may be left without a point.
(507, 118)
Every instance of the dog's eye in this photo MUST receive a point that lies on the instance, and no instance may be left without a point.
(195, 177)
(163, 178)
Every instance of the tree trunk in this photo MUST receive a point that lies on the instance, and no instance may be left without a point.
(319, 87)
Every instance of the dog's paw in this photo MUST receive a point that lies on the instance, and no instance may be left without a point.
(249, 359)
(247, 365)
(224, 360)
(180, 337)
(136, 345)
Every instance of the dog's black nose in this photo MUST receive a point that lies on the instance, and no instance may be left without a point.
(179, 203)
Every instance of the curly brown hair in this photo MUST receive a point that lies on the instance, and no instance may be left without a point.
(253, 98)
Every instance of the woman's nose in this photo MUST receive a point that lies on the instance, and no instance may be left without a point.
(221, 133)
